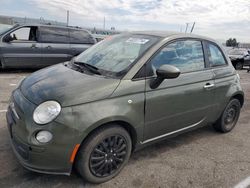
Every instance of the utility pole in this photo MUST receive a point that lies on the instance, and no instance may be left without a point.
(104, 23)
(192, 28)
(186, 27)
(67, 17)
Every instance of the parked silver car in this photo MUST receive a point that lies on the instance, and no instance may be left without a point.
(36, 46)
(239, 58)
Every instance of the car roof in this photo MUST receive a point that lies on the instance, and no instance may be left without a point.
(166, 34)
(52, 26)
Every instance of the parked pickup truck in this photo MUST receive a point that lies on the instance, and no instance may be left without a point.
(37, 46)
(239, 58)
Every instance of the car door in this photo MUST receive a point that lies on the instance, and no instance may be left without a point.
(55, 45)
(23, 51)
(181, 103)
(80, 40)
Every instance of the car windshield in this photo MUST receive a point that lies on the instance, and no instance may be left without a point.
(115, 55)
(4, 28)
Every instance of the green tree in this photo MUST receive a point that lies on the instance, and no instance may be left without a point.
(232, 42)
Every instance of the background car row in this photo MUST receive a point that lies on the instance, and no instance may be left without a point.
(36, 46)
(239, 57)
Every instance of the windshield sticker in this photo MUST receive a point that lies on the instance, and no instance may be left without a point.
(137, 40)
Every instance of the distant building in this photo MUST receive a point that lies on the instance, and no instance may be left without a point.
(103, 31)
(241, 45)
(244, 45)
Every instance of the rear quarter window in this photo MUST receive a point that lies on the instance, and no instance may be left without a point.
(80, 37)
(215, 55)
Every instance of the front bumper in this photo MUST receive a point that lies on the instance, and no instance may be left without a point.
(51, 158)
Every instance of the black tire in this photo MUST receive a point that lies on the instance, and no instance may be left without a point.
(229, 117)
(108, 149)
(238, 65)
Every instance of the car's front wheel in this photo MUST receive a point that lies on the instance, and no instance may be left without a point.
(103, 155)
(229, 117)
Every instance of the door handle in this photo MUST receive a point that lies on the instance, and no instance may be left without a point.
(208, 86)
(48, 47)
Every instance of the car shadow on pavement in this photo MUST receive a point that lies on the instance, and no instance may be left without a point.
(14, 71)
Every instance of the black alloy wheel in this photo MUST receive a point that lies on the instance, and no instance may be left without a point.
(108, 156)
(104, 154)
(229, 117)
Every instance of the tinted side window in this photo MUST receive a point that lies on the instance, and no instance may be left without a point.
(215, 56)
(80, 37)
(187, 55)
(55, 35)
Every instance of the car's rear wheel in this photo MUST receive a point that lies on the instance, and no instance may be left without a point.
(229, 117)
(104, 154)
(239, 65)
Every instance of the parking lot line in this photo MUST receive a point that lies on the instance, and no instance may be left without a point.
(243, 184)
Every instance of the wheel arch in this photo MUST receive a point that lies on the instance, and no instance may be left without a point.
(124, 124)
(240, 97)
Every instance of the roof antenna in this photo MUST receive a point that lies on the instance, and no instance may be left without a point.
(192, 28)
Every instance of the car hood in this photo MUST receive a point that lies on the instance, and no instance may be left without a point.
(67, 86)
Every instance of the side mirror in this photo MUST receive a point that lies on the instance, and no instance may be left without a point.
(8, 38)
(165, 72)
(168, 72)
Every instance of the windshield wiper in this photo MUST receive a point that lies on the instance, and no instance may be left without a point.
(89, 67)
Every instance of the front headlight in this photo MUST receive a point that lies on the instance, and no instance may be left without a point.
(46, 112)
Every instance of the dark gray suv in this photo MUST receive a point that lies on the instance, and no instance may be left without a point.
(36, 46)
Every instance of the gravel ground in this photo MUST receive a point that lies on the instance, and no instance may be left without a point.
(201, 158)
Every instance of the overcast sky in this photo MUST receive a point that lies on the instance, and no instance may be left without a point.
(219, 19)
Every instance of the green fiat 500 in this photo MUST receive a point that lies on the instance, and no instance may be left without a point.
(118, 96)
